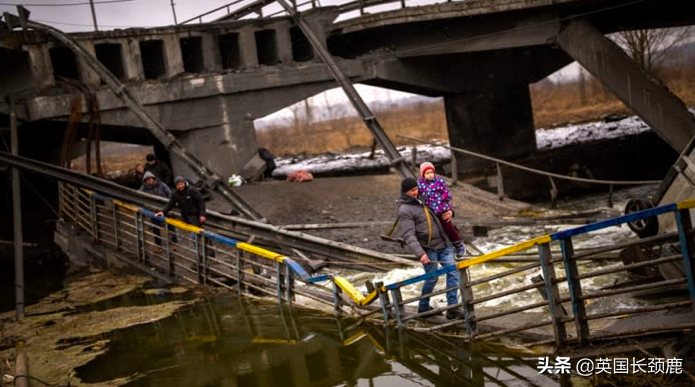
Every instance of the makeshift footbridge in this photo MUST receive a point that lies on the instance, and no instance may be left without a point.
(118, 226)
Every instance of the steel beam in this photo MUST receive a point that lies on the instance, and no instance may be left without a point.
(639, 90)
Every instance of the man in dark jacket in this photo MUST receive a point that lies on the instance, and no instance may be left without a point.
(188, 200)
(158, 168)
(426, 239)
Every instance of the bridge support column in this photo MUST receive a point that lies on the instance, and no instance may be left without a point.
(172, 53)
(41, 67)
(284, 43)
(665, 113)
(247, 48)
(497, 122)
(88, 76)
(132, 60)
(224, 149)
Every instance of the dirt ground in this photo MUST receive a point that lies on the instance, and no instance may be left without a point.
(368, 198)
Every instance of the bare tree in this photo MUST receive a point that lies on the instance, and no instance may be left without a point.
(649, 48)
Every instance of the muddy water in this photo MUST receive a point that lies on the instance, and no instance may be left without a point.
(229, 341)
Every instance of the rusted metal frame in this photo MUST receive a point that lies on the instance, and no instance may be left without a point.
(508, 293)
(511, 311)
(667, 237)
(139, 221)
(358, 103)
(575, 291)
(468, 302)
(687, 243)
(514, 330)
(398, 308)
(669, 258)
(644, 309)
(553, 294)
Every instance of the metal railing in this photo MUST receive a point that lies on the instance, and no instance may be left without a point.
(179, 250)
(238, 9)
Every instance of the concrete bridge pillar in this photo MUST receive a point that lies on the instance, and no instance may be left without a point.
(247, 48)
(41, 68)
(284, 43)
(132, 60)
(172, 54)
(88, 76)
(225, 148)
(497, 122)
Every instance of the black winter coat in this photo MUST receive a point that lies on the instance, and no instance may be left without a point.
(189, 201)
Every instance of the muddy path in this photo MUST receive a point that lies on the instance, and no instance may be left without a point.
(370, 198)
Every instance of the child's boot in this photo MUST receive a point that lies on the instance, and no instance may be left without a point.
(460, 249)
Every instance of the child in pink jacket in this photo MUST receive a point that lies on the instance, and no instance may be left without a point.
(435, 194)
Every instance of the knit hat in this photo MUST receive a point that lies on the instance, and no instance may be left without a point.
(178, 179)
(424, 167)
(407, 184)
(150, 157)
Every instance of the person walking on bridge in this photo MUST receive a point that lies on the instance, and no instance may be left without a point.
(153, 186)
(189, 201)
(426, 238)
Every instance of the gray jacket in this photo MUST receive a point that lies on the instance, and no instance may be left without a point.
(158, 188)
(412, 226)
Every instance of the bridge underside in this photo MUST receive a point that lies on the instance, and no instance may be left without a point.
(207, 84)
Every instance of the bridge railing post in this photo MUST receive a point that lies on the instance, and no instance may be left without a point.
(575, 290)
(279, 280)
(116, 230)
(93, 217)
(553, 294)
(467, 302)
(337, 300)
(684, 222)
(140, 236)
(383, 300)
(289, 287)
(239, 272)
(398, 307)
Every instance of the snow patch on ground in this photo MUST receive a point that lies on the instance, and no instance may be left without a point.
(336, 163)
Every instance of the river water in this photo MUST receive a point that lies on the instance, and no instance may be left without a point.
(230, 341)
